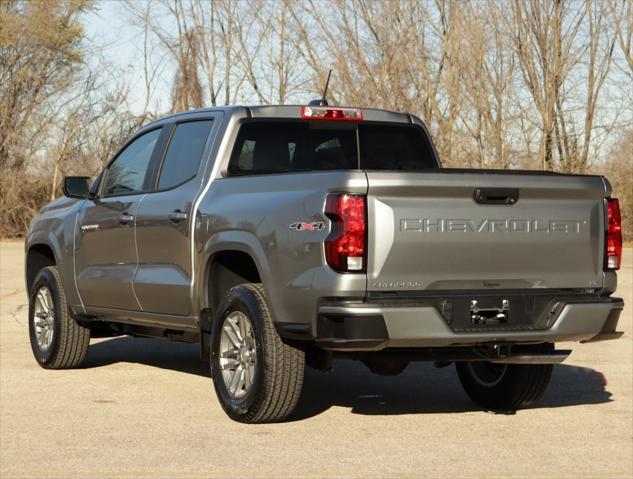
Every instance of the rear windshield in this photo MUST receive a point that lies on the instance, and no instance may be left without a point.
(279, 147)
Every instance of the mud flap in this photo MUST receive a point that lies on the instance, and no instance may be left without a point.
(205, 334)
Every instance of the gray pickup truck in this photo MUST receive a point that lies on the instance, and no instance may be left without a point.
(280, 236)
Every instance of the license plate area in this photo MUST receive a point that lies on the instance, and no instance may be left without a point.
(527, 310)
(503, 313)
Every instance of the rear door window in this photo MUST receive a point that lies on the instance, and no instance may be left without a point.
(265, 147)
(184, 153)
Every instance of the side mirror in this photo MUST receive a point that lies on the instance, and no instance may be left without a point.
(76, 186)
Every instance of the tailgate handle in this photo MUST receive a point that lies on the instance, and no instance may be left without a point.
(496, 196)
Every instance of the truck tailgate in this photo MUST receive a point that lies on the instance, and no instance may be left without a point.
(484, 230)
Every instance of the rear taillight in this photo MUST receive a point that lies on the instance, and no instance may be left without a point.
(345, 248)
(336, 113)
(613, 239)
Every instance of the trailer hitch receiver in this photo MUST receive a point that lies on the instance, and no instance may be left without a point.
(489, 314)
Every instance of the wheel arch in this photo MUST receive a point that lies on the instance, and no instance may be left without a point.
(38, 256)
(226, 269)
(240, 251)
(229, 258)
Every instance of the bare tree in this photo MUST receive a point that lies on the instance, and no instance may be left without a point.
(618, 168)
(40, 54)
(622, 14)
(500, 83)
(187, 89)
(59, 113)
(398, 55)
(597, 53)
(488, 70)
(544, 36)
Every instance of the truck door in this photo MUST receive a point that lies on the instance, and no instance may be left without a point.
(164, 224)
(105, 252)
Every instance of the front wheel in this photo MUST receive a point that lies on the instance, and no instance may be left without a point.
(507, 387)
(57, 340)
(257, 376)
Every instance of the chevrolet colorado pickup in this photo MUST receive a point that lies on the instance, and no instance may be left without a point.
(280, 236)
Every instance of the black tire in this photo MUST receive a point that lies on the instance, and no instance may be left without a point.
(506, 387)
(279, 368)
(69, 341)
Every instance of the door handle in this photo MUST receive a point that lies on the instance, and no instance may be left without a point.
(177, 216)
(496, 196)
(126, 219)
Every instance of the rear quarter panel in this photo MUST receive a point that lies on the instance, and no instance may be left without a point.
(254, 214)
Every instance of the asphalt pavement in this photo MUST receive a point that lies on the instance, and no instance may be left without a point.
(147, 408)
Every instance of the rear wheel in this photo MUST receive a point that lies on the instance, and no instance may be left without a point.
(257, 376)
(57, 341)
(504, 386)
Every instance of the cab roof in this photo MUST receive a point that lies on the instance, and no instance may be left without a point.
(281, 111)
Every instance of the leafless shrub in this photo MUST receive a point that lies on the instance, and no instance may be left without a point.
(619, 169)
(21, 197)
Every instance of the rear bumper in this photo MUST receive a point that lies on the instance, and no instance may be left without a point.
(370, 326)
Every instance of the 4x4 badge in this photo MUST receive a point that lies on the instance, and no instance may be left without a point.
(300, 226)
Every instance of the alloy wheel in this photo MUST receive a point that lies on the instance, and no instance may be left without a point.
(238, 354)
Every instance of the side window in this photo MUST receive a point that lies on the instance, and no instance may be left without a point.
(395, 148)
(127, 173)
(264, 148)
(184, 153)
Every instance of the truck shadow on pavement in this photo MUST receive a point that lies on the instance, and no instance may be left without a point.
(420, 389)
(424, 389)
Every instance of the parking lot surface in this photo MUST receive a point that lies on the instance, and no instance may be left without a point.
(147, 408)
